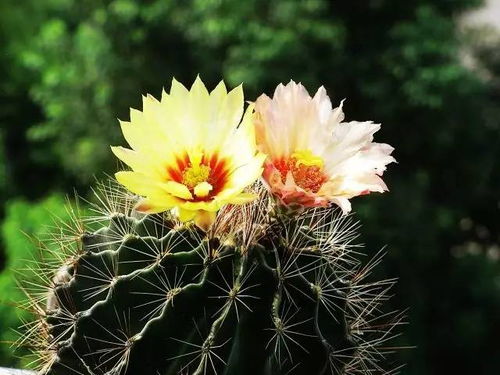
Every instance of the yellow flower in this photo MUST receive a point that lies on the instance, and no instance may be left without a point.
(191, 152)
(314, 158)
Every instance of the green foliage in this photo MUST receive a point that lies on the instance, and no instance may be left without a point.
(77, 122)
(277, 38)
(3, 166)
(22, 218)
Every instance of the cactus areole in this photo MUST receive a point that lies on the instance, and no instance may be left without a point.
(193, 267)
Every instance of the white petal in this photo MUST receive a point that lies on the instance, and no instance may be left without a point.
(348, 139)
(343, 203)
(323, 105)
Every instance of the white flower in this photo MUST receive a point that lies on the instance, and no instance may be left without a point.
(314, 158)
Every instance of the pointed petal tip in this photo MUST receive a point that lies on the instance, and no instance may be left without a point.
(220, 86)
(238, 90)
(198, 80)
(198, 86)
(176, 84)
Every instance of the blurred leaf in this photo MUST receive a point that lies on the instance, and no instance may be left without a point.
(25, 222)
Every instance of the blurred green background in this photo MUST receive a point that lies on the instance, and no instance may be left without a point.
(70, 68)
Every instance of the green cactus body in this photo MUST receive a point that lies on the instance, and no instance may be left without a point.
(146, 295)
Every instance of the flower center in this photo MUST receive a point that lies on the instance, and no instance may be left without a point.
(306, 170)
(307, 158)
(195, 174)
(195, 178)
(204, 175)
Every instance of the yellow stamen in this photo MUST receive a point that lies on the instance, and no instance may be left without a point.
(307, 158)
(195, 174)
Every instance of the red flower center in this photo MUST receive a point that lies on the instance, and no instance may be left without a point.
(212, 169)
(309, 178)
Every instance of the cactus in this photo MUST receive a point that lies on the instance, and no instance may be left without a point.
(260, 293)
(202, 272)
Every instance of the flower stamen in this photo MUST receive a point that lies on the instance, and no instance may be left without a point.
(308, 177)
(195, 175)
(307, 158)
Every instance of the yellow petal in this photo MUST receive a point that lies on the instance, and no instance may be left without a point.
(137, 182)
(195, 156)
(145, 138)
(213, 205)
(204, 219)
(177, 89)
(247, 173)
(136, 116)
(242, 198)
(247, 123)
(147, 207)
(131, 134)
(139, 162)
(223, 113)
(149, 103)
(219, 93)
(234, 105)
(200, 124)
(184, 215)
(129, 157)
(177, 190)
(198, 90)
(142, 184)
(164, 95)
(241, 145)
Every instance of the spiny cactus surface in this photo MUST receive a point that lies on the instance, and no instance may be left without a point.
(260, 293)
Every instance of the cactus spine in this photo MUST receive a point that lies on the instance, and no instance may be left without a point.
(259, 293)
